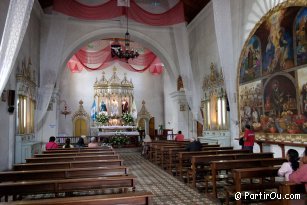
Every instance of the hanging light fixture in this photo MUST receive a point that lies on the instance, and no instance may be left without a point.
(127, 53)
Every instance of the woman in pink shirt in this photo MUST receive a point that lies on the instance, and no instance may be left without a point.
(300, 175)
(179, 136)
(52, 144)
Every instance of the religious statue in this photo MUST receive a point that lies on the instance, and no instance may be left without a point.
(277, 98)
(114, 108)
(103, 107)
(125, 106)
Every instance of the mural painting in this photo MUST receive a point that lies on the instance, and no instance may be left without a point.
(301, 37)
(272, 80)
(251, 63)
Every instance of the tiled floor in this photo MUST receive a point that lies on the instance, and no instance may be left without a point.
(167, 189)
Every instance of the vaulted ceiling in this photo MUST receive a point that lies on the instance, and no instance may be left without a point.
(191, 7)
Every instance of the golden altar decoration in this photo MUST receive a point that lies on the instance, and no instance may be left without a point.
(113, 97)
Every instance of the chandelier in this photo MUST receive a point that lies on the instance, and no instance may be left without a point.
(127, 53)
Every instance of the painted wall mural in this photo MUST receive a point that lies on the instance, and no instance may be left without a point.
(272, 75)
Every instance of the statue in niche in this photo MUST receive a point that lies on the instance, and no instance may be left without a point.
(114, 108)
(103, 108)
(125, 106)
(180, 84)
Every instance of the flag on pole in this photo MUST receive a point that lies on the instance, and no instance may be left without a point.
(125, 3)
(93, 111)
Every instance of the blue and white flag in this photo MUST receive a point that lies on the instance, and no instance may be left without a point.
(93, 111)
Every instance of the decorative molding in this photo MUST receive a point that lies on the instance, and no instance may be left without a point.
(81, 113)
(143, 113)
(26, 79)
(115, 85)
(282, 137)
(213, 84)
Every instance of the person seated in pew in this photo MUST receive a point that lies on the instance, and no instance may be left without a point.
(67, 144)
(52, 144)
(300, 175)
(179, 136)
(194, 145)
(288, 167)
(80, 143)
(93, 143)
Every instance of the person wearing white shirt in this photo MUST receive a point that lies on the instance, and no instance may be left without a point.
(288, 167)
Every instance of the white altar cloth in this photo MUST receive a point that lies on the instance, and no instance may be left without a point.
(132, 133)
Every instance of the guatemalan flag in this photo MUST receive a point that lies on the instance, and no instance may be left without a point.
(93, 111)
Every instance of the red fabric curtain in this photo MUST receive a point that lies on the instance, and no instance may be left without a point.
(83, 58)
(110, 10)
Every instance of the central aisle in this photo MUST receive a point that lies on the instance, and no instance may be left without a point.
(167, 189)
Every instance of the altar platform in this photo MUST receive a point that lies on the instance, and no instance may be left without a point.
(105, 134)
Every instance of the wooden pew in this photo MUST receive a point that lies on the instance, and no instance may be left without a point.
(152, 146)
(287, 188)
(71, 158)
(218, 166)
(131, 198)
(171, 158)
(66, 185)
(252, 173)
(84, 149)
(184, 158)
(162, 153)
(62, 173)
(75, 154)
(206, 159)
(66, 165)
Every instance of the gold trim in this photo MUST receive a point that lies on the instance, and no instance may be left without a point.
(282, 137)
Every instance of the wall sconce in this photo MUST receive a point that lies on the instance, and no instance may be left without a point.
(65, 111)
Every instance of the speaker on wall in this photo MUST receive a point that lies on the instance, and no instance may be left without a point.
(11, 101)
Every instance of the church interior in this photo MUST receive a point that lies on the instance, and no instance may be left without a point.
(127, 76)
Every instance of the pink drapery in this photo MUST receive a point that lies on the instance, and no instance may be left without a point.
(110, 10)
(102, 59)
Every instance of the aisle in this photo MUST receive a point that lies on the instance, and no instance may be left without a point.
(167, 189)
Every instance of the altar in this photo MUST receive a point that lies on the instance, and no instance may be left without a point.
(125, 135)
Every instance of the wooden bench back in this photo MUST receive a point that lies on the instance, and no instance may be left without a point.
(66, 165)
(62, 173)
(66, 185)
(131, 198)
(71, 158)
(56, 154)
(84, 149)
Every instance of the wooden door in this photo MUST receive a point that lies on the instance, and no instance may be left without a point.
(80, 127)
(152, 128)
(199, 129)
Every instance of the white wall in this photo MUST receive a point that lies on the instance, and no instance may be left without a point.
(29, 48)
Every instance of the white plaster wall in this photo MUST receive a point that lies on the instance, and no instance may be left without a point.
(77, 86)
(4, 5)
(29, 48)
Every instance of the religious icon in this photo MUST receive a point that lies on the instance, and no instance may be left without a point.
(125, 106)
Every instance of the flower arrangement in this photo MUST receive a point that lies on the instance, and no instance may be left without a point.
(127, 118)
(119, 140)
(102, 118)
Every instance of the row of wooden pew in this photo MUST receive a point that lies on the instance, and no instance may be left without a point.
(66, 172)
(214, 166)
